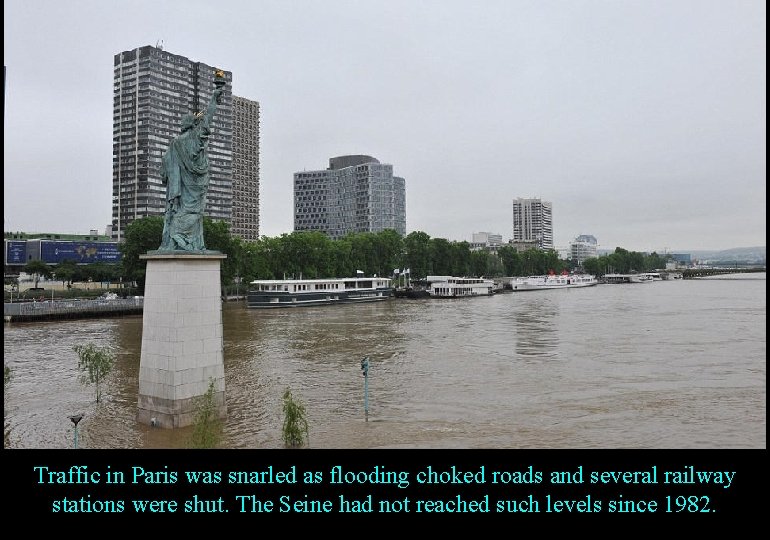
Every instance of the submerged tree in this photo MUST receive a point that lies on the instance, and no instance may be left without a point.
(207, 426)
(295, 427)
(38, 269)
(141, 235)
(95, 364)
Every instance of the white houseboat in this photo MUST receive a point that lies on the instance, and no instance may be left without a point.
(459, 287)
(553, 281)
(276, 293)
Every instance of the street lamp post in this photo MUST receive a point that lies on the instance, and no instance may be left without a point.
(365, 369)
(75, 419)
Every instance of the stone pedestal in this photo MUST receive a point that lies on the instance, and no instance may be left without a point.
(181, 337)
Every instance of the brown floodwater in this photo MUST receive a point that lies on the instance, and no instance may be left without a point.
(677, 364)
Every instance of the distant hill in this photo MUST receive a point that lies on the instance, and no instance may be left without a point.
(750, 255)
(744, 255)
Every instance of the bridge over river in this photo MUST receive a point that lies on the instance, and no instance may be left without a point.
(692, 273)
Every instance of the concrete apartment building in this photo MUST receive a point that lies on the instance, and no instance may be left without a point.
(532, 223)
(153, 89)
(356, 193)
(245, 213)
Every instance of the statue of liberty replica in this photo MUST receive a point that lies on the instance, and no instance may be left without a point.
(185, 172)
(182, 345)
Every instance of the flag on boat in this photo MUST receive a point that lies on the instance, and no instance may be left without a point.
(359, 272)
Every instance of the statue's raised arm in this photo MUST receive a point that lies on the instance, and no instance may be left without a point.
(216, 98)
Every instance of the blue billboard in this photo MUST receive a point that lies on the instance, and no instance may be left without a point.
(52, 252)
(16, 252)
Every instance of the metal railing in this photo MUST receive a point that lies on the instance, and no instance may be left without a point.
(70, 308)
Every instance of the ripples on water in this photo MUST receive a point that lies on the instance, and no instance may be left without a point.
(665, 365)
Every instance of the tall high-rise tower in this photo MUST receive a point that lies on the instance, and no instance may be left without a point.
(533, 222)
(153, 89)
(355, 194)
(245, 215)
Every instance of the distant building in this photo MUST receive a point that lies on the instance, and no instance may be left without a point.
(588, 239)
(563, 252)
(51, 248)
(356, 193)
(93, 236)
(486, 240)
(245, 214)
(533, 222)
(582, 248)
(524, 246)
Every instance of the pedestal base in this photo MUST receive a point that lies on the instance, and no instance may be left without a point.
(181, 338)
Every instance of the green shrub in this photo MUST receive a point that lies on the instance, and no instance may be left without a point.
(207, 426)
(95, 364)
(295, 427)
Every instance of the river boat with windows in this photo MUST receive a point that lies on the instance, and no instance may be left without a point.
(459, 287)
(278, 293)
(553, 281)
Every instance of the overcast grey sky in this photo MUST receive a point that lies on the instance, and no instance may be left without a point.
(643, 122)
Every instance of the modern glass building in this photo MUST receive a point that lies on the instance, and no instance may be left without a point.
(356, 193)
(582, 248)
